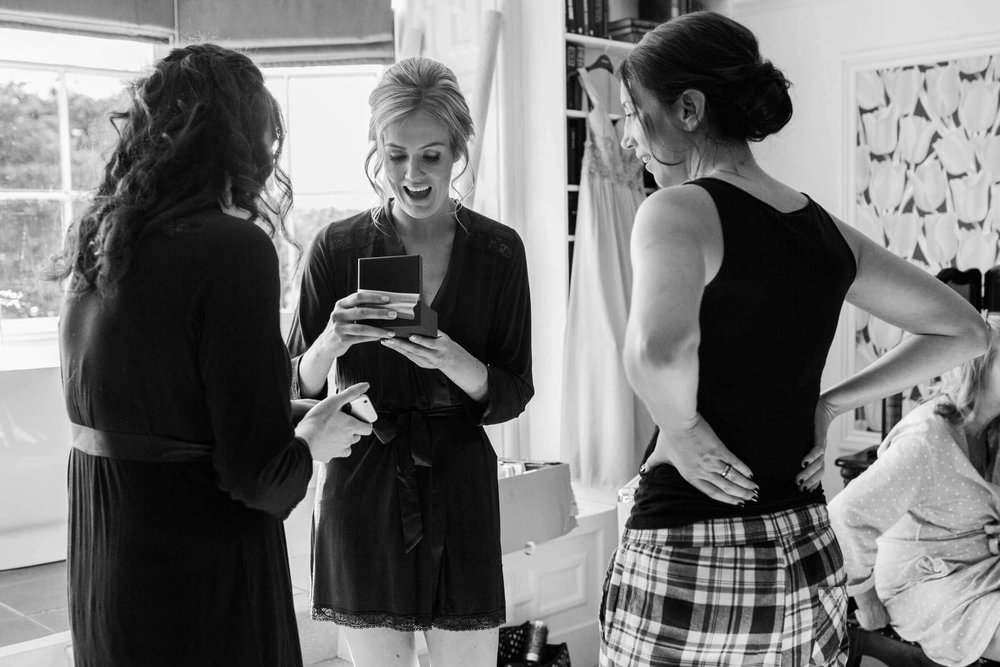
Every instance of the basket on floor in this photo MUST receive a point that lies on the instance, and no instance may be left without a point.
(511, 648)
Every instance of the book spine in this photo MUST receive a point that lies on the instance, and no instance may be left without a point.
(600, 18)
(570, 17)
(592, 20)
(578, 16)
(585, 15)
(571, 82)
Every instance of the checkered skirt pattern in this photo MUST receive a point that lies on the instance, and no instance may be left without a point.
(767, 590)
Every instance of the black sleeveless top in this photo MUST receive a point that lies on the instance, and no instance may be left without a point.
(767, 321)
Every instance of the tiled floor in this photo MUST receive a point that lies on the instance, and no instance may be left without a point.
(32, 602)
(33, 605)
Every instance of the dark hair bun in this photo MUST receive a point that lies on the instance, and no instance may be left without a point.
(746, 97)
(759, 105)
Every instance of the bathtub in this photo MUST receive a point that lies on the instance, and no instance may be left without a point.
(34, 449)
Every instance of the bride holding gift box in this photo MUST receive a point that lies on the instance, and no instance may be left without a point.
(407, 529)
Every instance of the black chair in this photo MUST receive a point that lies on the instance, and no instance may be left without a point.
(967, 283)
(885, 645)
(991, 290)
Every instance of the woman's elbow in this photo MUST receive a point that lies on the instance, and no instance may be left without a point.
(977, 336)
(646, 355)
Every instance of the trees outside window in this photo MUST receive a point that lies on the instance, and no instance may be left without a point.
(56, 93)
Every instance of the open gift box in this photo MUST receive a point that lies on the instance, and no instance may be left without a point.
(536, 502)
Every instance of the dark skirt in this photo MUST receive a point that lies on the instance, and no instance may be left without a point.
(371, 505)
(766, 590)
(166, 569)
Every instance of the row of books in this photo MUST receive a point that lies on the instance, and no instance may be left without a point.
(587, 17)
(590, 17)
(575, 57)
(576, 137)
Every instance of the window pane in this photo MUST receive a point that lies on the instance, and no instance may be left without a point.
(29, 130)
(328, 132)
(91, 135)
(30, 232)
(310, 215)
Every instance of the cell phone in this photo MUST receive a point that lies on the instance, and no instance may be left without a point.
(361, 408)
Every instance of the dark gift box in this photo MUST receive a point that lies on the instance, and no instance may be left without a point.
(399, 274)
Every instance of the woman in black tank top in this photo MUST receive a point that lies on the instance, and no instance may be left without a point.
(728, 557)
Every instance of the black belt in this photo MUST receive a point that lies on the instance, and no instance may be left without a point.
(138, 446)
(407, 430)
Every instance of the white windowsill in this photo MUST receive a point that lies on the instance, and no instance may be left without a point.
(28, 343)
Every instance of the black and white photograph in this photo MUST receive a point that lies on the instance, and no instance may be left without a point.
(527, 333)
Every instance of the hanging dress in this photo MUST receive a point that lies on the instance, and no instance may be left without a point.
(604, 426)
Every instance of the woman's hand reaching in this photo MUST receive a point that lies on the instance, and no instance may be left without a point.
(328, 430)
(705, 463)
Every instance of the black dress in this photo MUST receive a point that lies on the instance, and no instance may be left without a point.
(184, 563)
(407, 534)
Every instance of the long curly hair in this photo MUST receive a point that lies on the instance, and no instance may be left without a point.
(196, 134)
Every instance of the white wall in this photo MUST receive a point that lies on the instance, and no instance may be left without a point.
(813, 42)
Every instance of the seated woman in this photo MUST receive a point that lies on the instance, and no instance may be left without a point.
(919, 527)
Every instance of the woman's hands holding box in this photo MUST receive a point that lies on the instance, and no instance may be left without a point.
(343, 329)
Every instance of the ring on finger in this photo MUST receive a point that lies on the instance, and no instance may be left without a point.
(729, 469)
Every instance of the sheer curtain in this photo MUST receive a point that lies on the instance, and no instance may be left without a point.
(605, 427)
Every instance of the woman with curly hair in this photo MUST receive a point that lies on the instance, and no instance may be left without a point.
(185, 459)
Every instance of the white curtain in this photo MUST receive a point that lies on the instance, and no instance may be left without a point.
(605, 427)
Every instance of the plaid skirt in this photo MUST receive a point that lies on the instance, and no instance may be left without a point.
(763, 590)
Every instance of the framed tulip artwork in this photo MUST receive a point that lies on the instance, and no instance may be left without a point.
(923, 178)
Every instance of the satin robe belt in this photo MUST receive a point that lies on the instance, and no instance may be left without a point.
(407, 431)
(138, 446)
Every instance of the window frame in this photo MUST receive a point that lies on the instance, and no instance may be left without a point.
(31, 342)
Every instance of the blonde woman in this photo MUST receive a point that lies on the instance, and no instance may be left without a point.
(919, 528)
(407, 530)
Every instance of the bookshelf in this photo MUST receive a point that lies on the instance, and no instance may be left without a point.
(583, 50)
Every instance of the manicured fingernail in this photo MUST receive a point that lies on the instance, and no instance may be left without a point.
(385, 299)
(740, 504)
(805, 464)
(392, 314)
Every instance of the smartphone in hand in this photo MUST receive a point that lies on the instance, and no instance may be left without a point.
(361, 409)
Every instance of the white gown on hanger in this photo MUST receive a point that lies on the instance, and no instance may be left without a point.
(605, 428)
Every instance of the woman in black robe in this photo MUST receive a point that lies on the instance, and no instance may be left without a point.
(185, 460)
(407, 529)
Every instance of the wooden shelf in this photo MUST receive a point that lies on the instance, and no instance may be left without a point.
(599, 42)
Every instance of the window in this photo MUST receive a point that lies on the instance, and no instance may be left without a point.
(56, 91)
(326, 114)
